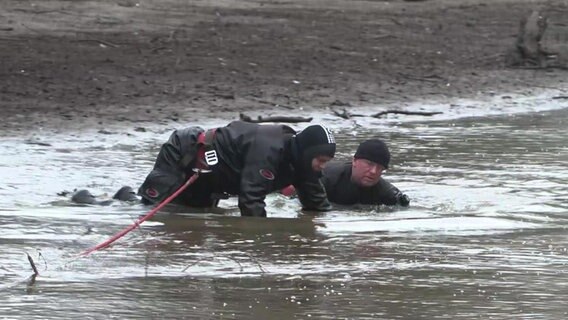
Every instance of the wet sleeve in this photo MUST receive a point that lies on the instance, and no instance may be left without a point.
(312, 195)
(327, 185)
(257, 177)
(253, 190)
(386, 193)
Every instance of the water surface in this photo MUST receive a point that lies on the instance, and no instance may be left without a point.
(484, 237)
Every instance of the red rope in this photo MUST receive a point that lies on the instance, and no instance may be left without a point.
(142, 219)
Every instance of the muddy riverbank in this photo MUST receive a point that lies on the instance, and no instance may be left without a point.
(99, 63)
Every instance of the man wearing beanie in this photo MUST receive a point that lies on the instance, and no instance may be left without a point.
(242, 159)
(360, 181)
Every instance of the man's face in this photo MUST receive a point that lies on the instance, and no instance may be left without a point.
(366, 173)
(319, 162)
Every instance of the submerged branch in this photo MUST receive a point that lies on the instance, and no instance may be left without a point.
(228, 258)
(214, 257)
(257, 263)
(32, 263)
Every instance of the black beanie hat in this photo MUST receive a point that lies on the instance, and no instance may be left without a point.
(374, 150)
(315, 140)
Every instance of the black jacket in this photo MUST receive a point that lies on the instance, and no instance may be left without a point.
(256, 160)
(341, 190)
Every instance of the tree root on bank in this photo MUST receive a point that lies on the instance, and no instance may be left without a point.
(346, 114)
(528, 52)
(286, 119)
(527, 49)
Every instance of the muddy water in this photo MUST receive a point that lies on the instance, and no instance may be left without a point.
(485, 235)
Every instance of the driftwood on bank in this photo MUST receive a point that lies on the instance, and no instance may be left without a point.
(347, 115)
(412, 113)
(285, 119)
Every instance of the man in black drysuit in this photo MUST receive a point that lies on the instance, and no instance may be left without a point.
(244, 159)
(359, 181)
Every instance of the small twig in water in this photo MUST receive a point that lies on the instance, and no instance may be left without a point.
(237, 262)
(146, 263)
(257, 263)
(39, 255)
(191, 265)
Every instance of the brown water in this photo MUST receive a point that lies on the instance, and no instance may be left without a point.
(485, 236)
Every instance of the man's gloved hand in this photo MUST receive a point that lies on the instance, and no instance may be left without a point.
(403, 199)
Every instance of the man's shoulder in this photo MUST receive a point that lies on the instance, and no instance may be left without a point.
(337, 167)
(336, 173)
(338, 185)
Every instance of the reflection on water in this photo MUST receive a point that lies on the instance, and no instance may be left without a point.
(485, 235)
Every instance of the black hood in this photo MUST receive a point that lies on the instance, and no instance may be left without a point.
(313, 141)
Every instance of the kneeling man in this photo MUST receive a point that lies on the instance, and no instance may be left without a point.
(360, 181)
